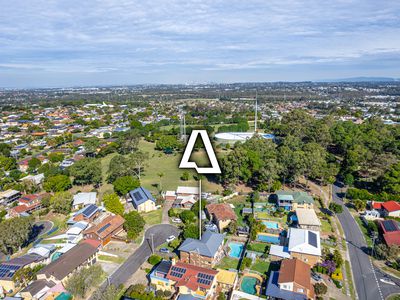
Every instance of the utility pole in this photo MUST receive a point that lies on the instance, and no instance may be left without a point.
(200, 210)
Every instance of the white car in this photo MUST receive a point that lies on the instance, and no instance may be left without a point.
(170, 238)
(387, 280)
(176, 220)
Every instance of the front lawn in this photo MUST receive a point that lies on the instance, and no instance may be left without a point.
(326, 226)
(152, 217)
(257, 247)
(228, 263)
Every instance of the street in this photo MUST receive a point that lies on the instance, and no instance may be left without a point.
(366, 276)
(132, 264)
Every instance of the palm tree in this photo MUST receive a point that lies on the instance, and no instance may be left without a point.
(161, 174)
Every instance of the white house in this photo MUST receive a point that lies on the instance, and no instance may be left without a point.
(304, 245)
(84, 199)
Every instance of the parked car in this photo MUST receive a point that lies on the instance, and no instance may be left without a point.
(316, 277)
(170, 238)
(176, 220)
(164, 250)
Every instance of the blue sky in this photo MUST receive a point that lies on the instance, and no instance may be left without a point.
(69, 43)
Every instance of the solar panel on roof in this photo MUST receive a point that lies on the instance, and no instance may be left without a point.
(89, 210)
(312, 239)
(178, 270)
(8, 271)
(137, 196)
(389, 225)
(103, 228)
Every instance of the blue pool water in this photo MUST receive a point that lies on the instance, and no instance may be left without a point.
(249, 285)
(236, 249)
(271, 225)
(268, 239)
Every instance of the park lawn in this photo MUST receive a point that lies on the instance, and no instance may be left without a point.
(153, 217)
(260, 266)
(326, 226)
(228, 263)
(167, 164)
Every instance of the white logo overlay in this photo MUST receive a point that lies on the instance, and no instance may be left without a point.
(186, 164)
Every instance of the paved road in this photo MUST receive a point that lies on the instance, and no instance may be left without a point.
(366, 276)
(132, 264)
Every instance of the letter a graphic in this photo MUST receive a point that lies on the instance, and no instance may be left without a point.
(186, 164)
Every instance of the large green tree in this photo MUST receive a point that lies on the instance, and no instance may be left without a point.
(86, 171)
(61, 202)
(134, 224)
(113, 204)
(14, 233)
(123, 185)
(57, 183)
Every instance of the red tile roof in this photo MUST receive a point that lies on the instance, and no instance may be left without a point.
(106, 227)
(190, 277)
(94, 243)
(391, 206)
(392, 238)
(377, 205)
(221, 211)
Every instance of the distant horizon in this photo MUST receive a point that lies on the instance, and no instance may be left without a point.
(95, 43)
(357, 79)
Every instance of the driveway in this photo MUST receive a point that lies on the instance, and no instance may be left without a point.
(167, 206)
(366, 276)
(159, 233)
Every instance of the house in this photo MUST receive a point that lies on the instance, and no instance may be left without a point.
(84, 199)
(158, 276)
(37, 289)
(277, 252)
(304, 245)
(88, 214)
(291, 200)
(206, 252)
(186, 196)
(27, 204)
(170, 195)
(307, 219)
(9, 196)
(391, 209)
(82, 255)
(74, 232)
(9, 268)
(107, 229)
(291, 282)
(142, 200)
(390, 231)
(34, 179)
(371, 214)
(192, 281)
(221, 214)
(226, 280)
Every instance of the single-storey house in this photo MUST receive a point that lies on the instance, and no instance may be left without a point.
(142, 200)
(107, 229)
(304, 245)
(83, 199)
(307, 219)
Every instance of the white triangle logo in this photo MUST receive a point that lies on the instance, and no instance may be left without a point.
(186, 164)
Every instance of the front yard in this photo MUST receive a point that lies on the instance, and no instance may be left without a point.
(228, 263)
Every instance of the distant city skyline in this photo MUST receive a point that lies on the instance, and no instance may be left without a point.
(87, 43)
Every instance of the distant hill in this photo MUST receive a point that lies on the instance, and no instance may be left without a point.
(363, 79)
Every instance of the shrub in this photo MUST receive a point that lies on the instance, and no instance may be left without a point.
(154, 259)
(320, 289)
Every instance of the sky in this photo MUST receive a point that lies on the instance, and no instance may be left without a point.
(47, 43)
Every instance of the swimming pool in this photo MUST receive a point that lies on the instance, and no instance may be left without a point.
(273, 239)
(249, 285)
(236, 249)
(63, 296)
(271, 225)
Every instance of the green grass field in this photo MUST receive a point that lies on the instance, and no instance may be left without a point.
(260, 266)
(153, 217)
(228, 263)
(326, 226)
(168, 165)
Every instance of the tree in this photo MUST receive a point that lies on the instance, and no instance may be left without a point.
(348, 179)
(390, 181)
(154, 259)
(111, 292)
(14, 233)
(128, 141)
(134, 224)
(55, 157)
(185, 176)
(27, 274)
(195, 207)
(167, 142)
(191, 231)
(130, 165)
(61, 202)
(92, 145)
(123, 185)
(83, 280)
(5, 149)
(320, 288)
(7, 163)
(336, 208)
(34, 163)
(187, 216)
(57, 183)
(221, 296)
(160, 175)
(112, 204)
(246, 263)
(232, 227)
(86, 171)
(337, 258)
(359, 205)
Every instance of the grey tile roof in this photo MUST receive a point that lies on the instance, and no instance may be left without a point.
(207, 246)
